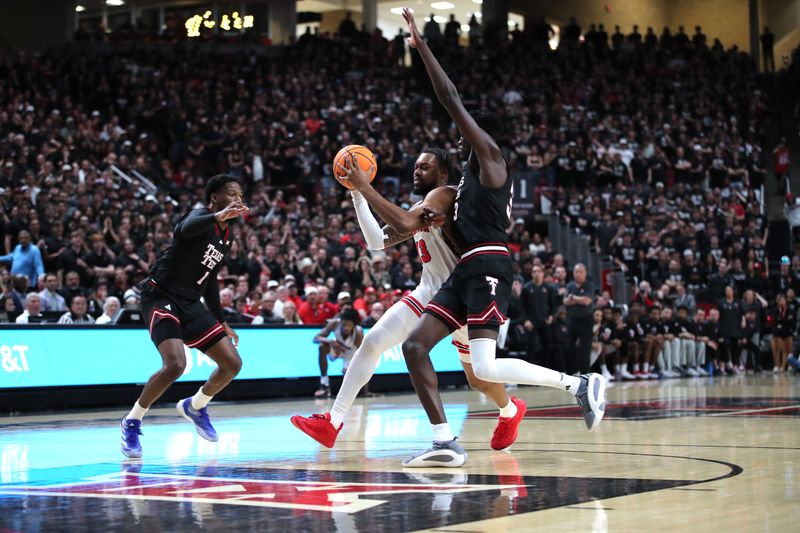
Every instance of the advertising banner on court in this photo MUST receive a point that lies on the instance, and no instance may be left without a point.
(43, 357)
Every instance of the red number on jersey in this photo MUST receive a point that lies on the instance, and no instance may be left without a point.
(422, 249)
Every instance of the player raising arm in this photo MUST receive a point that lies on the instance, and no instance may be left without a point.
(478, 291)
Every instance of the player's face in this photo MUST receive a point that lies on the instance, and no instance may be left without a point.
(464, 149)
(347, 327)
(227, 194)
(427, 174)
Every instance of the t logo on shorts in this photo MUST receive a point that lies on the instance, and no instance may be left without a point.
(493, 282)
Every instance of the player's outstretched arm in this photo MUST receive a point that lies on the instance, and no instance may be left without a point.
(197, 222)
(490, 158)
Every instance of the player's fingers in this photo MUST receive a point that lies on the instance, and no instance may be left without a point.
(342, 168)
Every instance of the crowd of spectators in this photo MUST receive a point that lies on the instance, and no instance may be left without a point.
(651, 145)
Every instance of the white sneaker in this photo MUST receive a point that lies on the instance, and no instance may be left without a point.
(448, 454)
(700, 371)
(627, 375)
(692, 372)
(592, 399)
(606, 374)
(775, 370)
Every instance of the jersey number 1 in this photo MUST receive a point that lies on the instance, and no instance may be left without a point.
(422, 249)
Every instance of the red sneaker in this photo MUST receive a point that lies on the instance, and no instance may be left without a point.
(508, 428)
(318, 427)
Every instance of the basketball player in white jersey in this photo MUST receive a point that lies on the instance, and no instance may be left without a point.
(347, 337)
(438, 260)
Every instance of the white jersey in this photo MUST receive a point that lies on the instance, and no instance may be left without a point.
(349, 343)
(438, 259)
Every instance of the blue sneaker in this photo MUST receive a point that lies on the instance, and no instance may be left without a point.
(130, 445)
(794, 362)
(198, 417)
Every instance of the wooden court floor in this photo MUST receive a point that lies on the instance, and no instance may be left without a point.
(681, 455)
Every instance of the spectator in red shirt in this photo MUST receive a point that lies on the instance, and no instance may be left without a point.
(781, 153)
(363, 305)
(312, 311)
(329, 309)
(294, 297)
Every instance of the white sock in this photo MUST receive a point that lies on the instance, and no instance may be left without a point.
(619, 368)
(137, 413)
(361, 369)
(506, 370)
(324, 381)
(509, 411)
(636, 367)
(200, 400)
(604, 368)
(441, 432)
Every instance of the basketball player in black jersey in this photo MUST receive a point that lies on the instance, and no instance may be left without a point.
(479, 289)
(171, 305)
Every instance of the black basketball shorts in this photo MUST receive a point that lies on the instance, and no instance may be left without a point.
(172, 318)
(479, 301)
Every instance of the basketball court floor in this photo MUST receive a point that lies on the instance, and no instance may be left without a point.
(681, 455)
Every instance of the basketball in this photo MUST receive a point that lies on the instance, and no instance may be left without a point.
(364, 157)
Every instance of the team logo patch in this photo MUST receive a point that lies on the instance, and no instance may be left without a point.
(492, 283)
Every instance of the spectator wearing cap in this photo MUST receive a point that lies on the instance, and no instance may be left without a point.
(312, 311)
(364, 304)
(280, 292)
(130, 299)
(343, 299)
(25, 259)
(292, 292)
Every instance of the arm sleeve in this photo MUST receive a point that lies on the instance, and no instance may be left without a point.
(211, 296)
(195, 223)
(372, 231)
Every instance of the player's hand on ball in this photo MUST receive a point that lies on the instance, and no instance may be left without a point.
(433, 217)
(233, 210)
(414, 38)
(355, 175)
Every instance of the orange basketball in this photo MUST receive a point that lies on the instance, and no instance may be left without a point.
(364, 157)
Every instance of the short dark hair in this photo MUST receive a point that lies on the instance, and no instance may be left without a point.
(440, 155)
(350, 314)
(217, 182)
(489, 122)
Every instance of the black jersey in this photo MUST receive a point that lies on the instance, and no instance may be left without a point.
(198, 247)
(482, 214)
